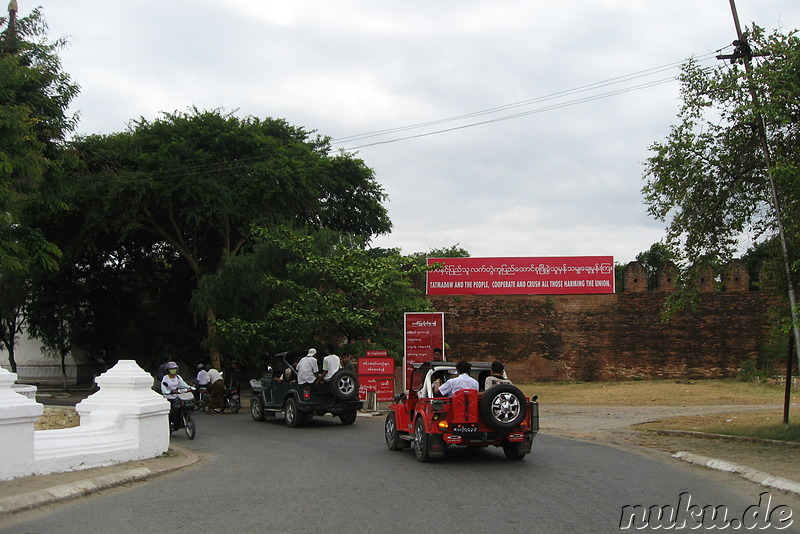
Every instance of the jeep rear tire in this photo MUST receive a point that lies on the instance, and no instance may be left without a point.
(513, 451)
(503, 407)
(344, 385)
(348, 418)
(257, 409)
(294, 417)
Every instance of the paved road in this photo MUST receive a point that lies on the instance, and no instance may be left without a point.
(328, 478)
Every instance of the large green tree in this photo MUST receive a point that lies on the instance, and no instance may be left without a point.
(316, 288)
(34, 96)
(199, 182)
(708, 179)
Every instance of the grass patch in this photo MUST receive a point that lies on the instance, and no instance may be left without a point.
(657, 392)
(767, 424)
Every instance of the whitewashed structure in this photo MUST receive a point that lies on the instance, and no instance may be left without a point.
(125, 420)
(34, 366)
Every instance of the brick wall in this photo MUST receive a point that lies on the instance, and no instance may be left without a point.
(609, 337)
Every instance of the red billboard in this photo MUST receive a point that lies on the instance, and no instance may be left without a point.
(521, 276)
(376, 363)
(381, 385)
(423, 332)
(376, 373)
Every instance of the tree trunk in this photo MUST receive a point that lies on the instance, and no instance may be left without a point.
(11, 359)
(213, 352)
(64, 368)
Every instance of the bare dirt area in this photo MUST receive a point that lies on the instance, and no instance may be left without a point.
(618, 425)
(53, 418)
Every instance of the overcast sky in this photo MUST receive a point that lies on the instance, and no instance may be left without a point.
(553, 168)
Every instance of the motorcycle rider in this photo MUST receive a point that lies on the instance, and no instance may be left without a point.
(201, 380)
(171, 382)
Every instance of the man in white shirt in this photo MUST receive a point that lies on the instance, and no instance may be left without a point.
(330, 364)
(202, 379)
(308, 368)
(462, 381)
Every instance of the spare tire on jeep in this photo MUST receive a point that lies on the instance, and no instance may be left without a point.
(344, 385)
(503, 407)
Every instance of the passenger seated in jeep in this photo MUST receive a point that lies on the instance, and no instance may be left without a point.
(462, 381)
(498, 376)
(307, 369)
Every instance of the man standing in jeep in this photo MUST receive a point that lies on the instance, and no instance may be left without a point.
(462, 381)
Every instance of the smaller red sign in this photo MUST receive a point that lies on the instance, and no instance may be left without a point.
(376, 365)
(382, 386)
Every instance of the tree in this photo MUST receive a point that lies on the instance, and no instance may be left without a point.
(318, 288)
(653, 259)
(420, 259)
(199, 182)
(708, 178)
(34, 96)
(13, 295)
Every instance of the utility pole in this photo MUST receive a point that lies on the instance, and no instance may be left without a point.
(10, 45)
(744, 52)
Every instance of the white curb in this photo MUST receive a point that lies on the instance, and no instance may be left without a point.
(753, 475)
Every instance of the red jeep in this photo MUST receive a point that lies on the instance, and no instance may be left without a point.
(502, 416)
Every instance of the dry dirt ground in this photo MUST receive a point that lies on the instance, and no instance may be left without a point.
(53, 418)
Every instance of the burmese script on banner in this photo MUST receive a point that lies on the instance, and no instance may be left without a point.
(521, 276)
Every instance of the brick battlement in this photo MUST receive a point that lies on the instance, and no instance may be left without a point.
(615, 336)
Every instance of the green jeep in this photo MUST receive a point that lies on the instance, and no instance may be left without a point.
(278, 391)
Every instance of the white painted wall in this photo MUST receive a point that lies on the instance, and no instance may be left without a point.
(125, 420)
(34, 366)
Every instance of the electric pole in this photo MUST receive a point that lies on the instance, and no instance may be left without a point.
(744, 53)
(10, 44)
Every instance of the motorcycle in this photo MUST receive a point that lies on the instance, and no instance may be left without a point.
(203, 397)
(181, 412)
(232, 401)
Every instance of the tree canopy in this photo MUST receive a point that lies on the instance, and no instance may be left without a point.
(192, 186)
(708, 178)
(34, 96)
(307, 288)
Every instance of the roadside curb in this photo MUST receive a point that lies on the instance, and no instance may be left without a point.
(753, 475)
(65, 492)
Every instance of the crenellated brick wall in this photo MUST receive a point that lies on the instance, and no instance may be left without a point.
(616, 336)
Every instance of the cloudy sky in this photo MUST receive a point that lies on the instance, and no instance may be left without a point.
(510, 127)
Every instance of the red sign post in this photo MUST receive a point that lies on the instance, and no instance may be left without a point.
(423, 332)
(521, 276)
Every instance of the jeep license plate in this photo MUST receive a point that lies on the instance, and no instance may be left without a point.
(465, 428)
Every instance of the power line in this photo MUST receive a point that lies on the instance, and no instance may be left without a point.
(243, 163)
(521, 114)
(553, 96)
(583, 88)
